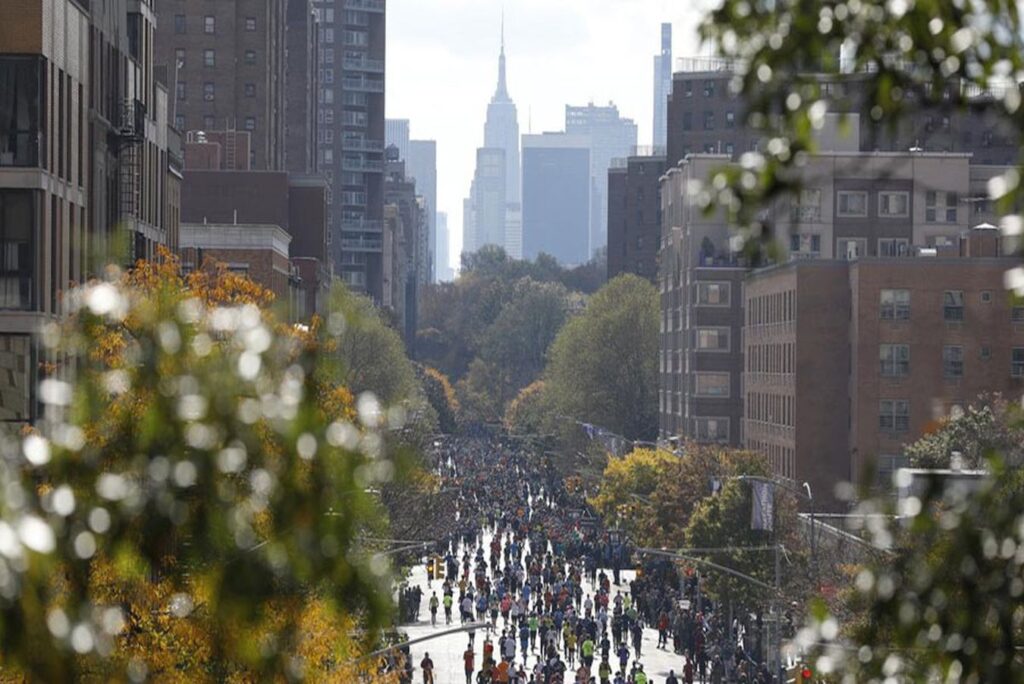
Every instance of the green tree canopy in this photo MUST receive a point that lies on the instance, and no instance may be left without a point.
(988, 427)
(603, 365)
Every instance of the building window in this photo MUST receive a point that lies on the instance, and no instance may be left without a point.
(17, 229)
(209, 91)
(894, 360)
(805, 243)
(888, 465)
(713, 339)
(209, 24)
(209, 58)
(953, 305)
(894, 204)
(712, 430)
(208, 122)
(250, 123)
(1017, 315)
(21, 112)
(986, 297)
(714, 385)
(179, 23)
(179, 57)
(893, 247)
(953, 361)
(250, 90)
(851, 204)
(895, 305)
(709, 121)
(709, 88)
(807, 206)
(250, 56)
(940, 207)
(179, 122)
(329, 56)
(1017, 367)
(687, 121)
(180, 90)
(688, 89)
(894, 415)
(730, 149)
(730, 120)
(714, 294)
(250, 23)
(850, 248)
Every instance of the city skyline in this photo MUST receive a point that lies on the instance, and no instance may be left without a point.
(461, 43)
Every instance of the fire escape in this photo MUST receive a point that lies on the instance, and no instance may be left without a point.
(131, 132)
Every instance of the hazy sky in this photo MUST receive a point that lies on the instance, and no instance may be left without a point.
(442, 68)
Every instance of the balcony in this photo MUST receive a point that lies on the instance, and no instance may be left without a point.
(362, 165)
(372, 66)
(356, 244)
(365, 5)
(363, 85)
(362, 145)
(362, 226)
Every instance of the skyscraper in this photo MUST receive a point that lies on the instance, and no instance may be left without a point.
(442, 260)
(662, 86)
(421, 164)
(556, 197)
(611, 137)
(396, 132)
(501, 133)
(352, 149)
(490, 205)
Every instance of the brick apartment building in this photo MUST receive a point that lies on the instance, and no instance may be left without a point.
(225, 61)
(847, 361)
(87, 164)
(853, 205)
(634, 214)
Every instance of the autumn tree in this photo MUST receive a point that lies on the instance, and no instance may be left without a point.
(527, 414)
(987, 427)
(189, 510)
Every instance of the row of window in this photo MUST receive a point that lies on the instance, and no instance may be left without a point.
(210, 90)
(940, 207)
(210, 123)
(771, 358)
(209, 24)
(894, 360)
(777, 409)
(894, 305)
(709, 120)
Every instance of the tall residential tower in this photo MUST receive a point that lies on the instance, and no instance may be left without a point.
(662, 86)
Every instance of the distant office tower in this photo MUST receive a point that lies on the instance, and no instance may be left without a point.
(611, 137)
(662, 86)
(489, 198)
(421, 164)
(442, 260)
(501, 132)
(226, 61)
(352, 149)
(556, 197)
(302, 87)
(396, 132)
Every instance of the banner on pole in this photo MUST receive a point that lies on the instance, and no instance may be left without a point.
(762, 513)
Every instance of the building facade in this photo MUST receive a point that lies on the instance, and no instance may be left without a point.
(226, 61)
(302, 88)
(611, 137)
(351, 149)
(556, 197)
(849, 361)
(87, 167)
(490, 205)
(634, 216)
(422, 167)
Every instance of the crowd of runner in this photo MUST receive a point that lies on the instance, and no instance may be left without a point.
(547, 582)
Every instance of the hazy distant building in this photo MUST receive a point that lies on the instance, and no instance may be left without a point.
(421, 164)
(662, 86)
(396, 132)
(556, 197)
(489, 199)
(442, 262)
(611, 137)
(501, 133)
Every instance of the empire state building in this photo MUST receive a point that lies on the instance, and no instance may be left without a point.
(492, 214)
